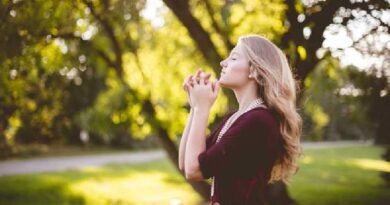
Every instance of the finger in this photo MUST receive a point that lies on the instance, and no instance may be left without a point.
(187, 82)
(204, 76)
(187, 86)
(207, 77)
(188, 79)
(197, 75)
(192, 80)
(201, 81)
(198, 72)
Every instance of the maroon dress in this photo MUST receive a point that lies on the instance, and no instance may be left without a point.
(242, 160)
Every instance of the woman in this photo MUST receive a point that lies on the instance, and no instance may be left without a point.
(254, 146)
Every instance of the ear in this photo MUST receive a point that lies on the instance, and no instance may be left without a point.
(251, 69)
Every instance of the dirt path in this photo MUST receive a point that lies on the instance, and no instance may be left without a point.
(23, 166)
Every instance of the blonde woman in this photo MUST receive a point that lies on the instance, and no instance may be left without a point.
(256, 145)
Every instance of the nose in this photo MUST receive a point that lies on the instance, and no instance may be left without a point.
(222, 63)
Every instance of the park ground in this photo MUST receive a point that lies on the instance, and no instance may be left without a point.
(334, 174)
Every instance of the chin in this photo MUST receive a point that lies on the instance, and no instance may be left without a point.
(223, 84)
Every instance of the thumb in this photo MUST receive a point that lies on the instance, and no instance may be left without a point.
(216, 87)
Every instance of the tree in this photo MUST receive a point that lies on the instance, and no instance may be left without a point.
(119, 46)
(36, 81)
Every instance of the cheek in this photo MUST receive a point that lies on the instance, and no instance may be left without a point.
(237, 74)
(239, 69)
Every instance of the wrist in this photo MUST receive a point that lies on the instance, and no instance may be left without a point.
(202, 109)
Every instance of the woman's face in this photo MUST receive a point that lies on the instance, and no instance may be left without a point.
(235, 69)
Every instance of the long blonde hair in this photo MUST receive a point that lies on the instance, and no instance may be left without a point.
(278, 89)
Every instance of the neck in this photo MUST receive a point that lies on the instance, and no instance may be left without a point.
(246, 95)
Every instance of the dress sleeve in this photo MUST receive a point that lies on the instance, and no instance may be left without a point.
(209, 139)
(244, 138)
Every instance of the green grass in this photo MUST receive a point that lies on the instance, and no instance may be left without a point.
(348, 175)
(327, 176)
(154, 182)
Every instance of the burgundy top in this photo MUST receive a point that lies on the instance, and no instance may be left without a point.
(242, 160)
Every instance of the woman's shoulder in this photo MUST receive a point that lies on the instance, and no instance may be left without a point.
(253, 122)
(260, 115)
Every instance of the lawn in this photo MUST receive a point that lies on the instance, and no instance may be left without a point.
(344, 176)
(327, 176)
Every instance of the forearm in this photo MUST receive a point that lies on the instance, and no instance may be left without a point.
(183, 140)
(196, 142)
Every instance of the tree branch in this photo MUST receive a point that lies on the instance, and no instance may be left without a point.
(111, 35)
(201, 37)
(8, 8)
(295, 28)
(218, 29)
(70, 35)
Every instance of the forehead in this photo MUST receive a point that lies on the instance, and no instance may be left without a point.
(236, 50)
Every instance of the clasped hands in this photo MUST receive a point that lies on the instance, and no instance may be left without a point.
(200, 91)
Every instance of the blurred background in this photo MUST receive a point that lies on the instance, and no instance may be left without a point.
(92, 107)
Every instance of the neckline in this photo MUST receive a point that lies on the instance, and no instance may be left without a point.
(232, 113)
(251, 105)
(227, 118)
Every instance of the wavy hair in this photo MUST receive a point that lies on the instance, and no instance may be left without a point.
(278, 89)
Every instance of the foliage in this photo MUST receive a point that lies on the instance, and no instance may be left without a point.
(332, 109)
(87, 65)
